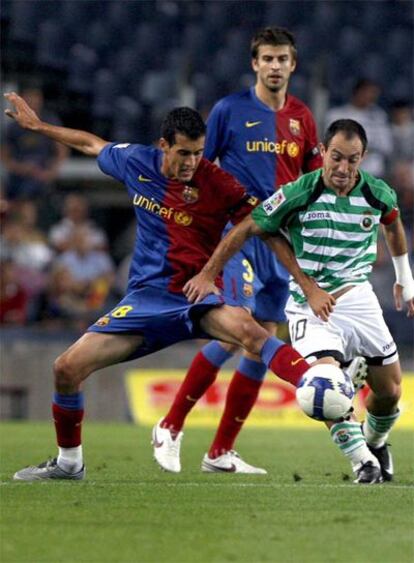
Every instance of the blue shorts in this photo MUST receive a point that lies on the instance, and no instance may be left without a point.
(161, 317)
(256, 280)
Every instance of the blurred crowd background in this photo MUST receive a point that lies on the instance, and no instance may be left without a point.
(115, 68)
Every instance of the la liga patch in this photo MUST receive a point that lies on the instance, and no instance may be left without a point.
(273, 202)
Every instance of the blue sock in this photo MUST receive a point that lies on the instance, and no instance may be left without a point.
(270, 347)
(74, 401)
(252, 369)
(215, 353)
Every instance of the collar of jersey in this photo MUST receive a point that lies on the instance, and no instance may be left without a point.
(354, 189)
(264, 106)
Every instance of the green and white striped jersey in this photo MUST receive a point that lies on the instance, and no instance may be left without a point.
(334, 237)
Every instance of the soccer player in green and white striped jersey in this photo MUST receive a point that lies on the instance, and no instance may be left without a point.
(332, 218)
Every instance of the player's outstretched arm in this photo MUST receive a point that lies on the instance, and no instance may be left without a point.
(203, 283)
(82, 141)
(319, 300)
(404, 284)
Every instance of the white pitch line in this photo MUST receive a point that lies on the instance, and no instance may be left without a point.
(284, 485)
(278, 485)
(383, 486)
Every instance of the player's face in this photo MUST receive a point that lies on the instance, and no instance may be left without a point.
(273, 66)
(341, 160)
(182, 158)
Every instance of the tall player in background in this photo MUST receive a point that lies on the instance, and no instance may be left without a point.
(264, 137)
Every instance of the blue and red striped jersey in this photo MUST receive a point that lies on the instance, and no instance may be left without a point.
(262, 148)
(178, 225)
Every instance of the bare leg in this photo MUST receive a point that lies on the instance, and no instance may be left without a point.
(385, 384)
(235, 326)
(91, 352)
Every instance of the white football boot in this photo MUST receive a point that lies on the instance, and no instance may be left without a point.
(166, 448)
(358, 372)
(230, 462)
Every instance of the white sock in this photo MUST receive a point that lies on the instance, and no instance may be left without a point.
(377, 428)
(70, 459)
(348, 437)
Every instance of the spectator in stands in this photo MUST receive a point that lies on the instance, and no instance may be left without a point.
(63, 303)
(27, 214)
(91, 271)
(363, 108)
(13, 297)
(24, 246)
(31, 161)
(402, 128)
(22, 240)
(76, 214)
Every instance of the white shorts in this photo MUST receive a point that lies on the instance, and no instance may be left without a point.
(356, 327)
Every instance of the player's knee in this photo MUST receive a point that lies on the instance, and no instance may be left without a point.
(394, 394)
(252, 336)
(64, 371)
(389, 394)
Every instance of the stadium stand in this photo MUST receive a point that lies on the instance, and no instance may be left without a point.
(149, 45)
(116, 67)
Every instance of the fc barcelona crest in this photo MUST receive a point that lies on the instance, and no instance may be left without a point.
(248, 289)
(294, 126)
(190, 194)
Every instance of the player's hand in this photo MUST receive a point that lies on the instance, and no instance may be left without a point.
(321, 302)
(21, 112)
(199, 287)
(400, 296)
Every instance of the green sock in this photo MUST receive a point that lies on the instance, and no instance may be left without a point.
(349, 438)
(377, 428)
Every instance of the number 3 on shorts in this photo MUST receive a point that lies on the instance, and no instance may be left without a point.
(248, 275)
(121, 312)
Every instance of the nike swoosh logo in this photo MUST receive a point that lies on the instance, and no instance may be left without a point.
(155, 441)
(237, 419)
(296, 361)
(252, 123)
(142, 178)
(189, 398)
(230, 469)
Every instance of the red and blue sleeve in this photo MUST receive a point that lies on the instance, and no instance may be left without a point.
(312, 157)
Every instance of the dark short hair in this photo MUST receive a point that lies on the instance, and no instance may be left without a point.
(362, 83)
(400, 103)
(275, 36)
(182, 120)
(349, 128)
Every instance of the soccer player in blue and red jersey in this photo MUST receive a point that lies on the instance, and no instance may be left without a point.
(265, 138)
(182, 203)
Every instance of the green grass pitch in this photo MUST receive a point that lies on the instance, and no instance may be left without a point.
(127, 510)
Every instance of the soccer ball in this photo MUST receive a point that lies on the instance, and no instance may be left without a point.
(325, 392)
